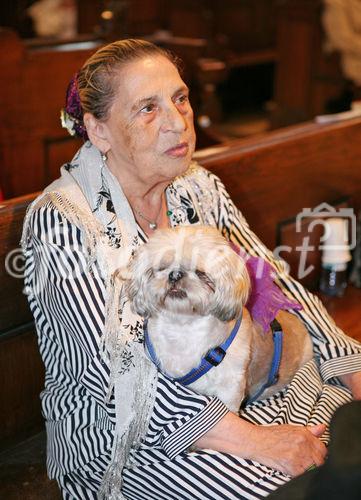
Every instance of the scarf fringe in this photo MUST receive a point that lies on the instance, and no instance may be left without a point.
(129, 441)
(133, 378)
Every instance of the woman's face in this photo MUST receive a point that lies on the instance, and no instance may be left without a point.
(150, 127)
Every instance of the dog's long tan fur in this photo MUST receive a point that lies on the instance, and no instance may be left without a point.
(296, 351)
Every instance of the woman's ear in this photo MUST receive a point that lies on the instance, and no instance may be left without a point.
(96, 131)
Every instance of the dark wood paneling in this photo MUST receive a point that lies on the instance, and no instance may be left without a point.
(307, 78)
(242, 25)
(22, 375)
(238, 33)
(14, 309)
(131, 17)
(89, 15)
(143, 17)
(33, 81)
(276, 176)
(346, 311)
(247, 25)
(21, 366)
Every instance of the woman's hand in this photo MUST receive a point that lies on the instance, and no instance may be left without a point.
(353, 382)
(288, 448)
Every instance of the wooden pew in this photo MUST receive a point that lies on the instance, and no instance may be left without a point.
(308, 81)
(22, 439)
(270, 178)
(273, 177)
(33, 80)
(21, 366)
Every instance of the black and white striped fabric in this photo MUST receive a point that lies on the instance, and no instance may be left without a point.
(67, 301)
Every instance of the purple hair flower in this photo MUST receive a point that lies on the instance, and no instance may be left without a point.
(72, 115)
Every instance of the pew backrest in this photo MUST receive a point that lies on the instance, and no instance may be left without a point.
(33, 80)
(22, 371)
(273, 178)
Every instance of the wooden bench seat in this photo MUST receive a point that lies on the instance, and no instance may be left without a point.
(22, 369)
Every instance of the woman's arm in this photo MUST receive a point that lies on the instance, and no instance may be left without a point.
(182, 418)
(338, 355)
(353, 382)
(68, 302)
(288, 448)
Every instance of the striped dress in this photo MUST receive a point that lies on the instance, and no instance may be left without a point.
(67, 300)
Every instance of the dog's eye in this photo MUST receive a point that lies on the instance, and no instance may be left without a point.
(205, 279)
(201, 274)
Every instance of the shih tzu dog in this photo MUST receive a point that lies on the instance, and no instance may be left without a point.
(192, 287)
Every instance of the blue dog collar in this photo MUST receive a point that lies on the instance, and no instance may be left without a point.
(213, 357)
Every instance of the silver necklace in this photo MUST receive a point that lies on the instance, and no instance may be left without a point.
(152, 223)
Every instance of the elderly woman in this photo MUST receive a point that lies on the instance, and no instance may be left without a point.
(114, 424)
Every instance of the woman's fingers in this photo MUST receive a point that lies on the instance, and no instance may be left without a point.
(320, 451)
(288, 448)
(317, 430)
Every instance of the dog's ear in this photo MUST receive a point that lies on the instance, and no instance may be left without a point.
(232, 288)
(137, 290)
(136, 283)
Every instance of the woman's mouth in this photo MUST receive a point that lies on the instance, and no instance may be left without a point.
(178, 151)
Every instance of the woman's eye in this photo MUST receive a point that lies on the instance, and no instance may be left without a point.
(182, 99)
(149, 108)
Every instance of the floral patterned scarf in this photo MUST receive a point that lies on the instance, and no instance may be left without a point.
(89, 196)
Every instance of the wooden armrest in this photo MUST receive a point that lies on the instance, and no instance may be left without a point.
(346, 311)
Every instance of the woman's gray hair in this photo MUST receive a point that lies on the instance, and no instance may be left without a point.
(96, 79)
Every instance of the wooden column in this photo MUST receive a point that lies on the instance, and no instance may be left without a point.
(306, 77)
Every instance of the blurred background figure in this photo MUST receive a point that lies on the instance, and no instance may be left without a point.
(342, 24)
(54, 18)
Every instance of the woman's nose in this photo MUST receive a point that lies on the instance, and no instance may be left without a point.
(174, 120)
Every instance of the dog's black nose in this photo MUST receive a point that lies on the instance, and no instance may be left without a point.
(175, 276)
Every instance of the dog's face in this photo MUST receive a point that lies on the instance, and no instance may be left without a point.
(188, 270)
